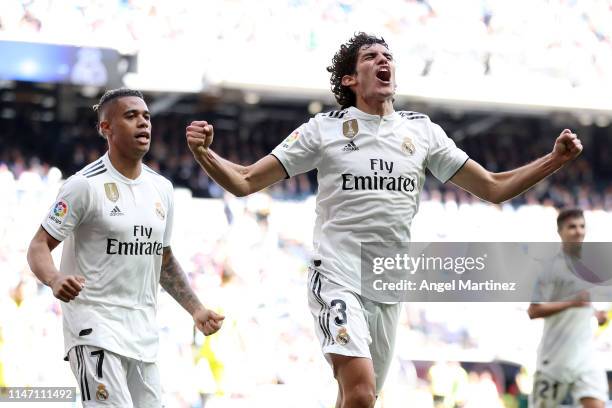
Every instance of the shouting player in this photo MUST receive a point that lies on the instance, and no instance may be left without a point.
(371, 163)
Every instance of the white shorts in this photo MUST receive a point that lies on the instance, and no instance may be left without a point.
(106, 379)
(550, 393)
(351, 325)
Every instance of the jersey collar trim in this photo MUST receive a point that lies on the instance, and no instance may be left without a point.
(120, 176)
(366, 116)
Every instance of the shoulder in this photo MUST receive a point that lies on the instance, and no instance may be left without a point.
(418, 123)
(336, 114)
(333, 116)
(157, 178)
(557, 260)
(76, 183)
(93, 169)
(553, 268)
(327, 122)
(76, 193)
(410, 115)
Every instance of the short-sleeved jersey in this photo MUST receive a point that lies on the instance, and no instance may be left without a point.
(114, 230)
(566, 348)
(371, 171)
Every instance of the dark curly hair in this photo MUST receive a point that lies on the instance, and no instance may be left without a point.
(345, 62)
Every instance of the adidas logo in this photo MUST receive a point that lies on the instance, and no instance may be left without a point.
(350, 147)
(115, 211)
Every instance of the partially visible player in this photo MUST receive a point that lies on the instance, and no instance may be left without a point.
(566, 362)
(115, 218)
(371, 163)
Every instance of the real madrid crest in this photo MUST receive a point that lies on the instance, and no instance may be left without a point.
(343, 337)
(112, 192)
(350, 128)
(407, 146)
(159, 210)
(101, 393)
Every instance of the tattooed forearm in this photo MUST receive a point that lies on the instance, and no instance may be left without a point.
(174, 281)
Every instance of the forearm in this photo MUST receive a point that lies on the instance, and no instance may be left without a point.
(537, 310)
(239, 168)
(174, 281)
(41, 263)
(230, 176)
(509, 184)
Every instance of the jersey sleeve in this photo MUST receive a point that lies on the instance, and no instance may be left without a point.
(70, 208)
(300, 151)
(169, 218)
(444, 158)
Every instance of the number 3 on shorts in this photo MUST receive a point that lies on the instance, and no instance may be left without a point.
(340, 320)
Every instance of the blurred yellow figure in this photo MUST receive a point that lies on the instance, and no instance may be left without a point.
(448, 381)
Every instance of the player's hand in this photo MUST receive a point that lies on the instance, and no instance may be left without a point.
(583, 299)
(602, 317)
(207, 321)
(67, 287)
(567, 147)
(199, 136)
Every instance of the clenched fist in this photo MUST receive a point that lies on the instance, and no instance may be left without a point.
(67, 287)
(199, 136)
(207, 321)
(567, 147)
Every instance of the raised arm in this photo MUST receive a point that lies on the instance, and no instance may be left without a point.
(65, 287)
(238, 180)
(499, 187)
(174, 281)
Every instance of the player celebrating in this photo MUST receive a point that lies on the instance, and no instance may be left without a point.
(371, 163)
(115, 216)
(566, 362)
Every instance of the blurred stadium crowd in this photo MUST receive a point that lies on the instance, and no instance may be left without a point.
(31, 146)
(462, 39)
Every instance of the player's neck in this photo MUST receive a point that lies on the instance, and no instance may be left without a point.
(572, 249)
(129, 168)
(375, 107)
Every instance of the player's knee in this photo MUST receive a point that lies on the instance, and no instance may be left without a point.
(359, 396)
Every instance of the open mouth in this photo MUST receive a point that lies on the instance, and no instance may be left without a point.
(143, 137)
(384, 75)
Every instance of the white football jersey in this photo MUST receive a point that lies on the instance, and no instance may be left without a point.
(371, 171)
(566, 348)
(114, 230)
